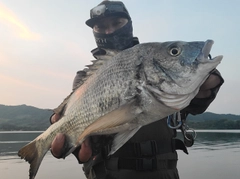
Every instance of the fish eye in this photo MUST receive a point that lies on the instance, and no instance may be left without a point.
(174, 51)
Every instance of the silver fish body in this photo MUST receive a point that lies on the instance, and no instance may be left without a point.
(136, 87)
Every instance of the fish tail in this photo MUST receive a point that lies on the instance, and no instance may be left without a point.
(33, 154)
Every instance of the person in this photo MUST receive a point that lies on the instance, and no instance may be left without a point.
(151, 152)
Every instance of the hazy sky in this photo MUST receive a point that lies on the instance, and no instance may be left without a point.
(43, 43)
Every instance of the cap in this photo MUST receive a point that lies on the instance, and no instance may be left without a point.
(107, 9)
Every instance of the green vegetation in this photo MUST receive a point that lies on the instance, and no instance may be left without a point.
(23, 117)
(209, 120)
(30, 118)
(216, 124)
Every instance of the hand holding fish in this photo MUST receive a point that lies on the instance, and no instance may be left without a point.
(211, 82)
(83, 154)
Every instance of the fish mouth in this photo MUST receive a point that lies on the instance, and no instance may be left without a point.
(205, 56)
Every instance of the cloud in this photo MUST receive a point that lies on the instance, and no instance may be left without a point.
(10, 19)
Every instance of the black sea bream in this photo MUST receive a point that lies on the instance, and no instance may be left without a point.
(136, 87)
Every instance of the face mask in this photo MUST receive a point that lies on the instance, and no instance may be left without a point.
(119, 40)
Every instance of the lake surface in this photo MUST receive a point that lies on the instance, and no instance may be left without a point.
(215, 155)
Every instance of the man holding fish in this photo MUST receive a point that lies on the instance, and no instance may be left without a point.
(151, 151)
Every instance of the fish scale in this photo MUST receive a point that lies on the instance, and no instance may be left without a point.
(121, 94)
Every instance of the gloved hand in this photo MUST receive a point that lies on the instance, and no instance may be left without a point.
(211, 82)
(206, 94)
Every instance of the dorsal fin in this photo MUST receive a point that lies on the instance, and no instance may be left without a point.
(96, 64)
(101, 59)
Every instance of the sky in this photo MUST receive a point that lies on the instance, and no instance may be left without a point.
(44, 43)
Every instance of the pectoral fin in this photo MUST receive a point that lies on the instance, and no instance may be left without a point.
(121, 138)
(112, 122)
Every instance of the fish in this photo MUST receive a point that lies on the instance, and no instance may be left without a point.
(126, 91)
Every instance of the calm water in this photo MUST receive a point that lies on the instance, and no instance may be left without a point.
(215, 155)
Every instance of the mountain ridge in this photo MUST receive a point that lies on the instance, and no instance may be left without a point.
(24, 117)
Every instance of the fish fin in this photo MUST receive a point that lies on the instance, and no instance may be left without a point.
(61, 108)
(69, 152)
(68, 147)
(96, 64)
(123, 114)
(33, 156)
(121, 138)
(123, 127)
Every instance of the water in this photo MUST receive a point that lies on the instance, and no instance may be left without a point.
(215, 155)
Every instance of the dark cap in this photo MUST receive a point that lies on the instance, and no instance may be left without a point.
(107, 9)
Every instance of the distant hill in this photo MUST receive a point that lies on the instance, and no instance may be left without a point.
(213, 116)
(210, 120)
(23, 117)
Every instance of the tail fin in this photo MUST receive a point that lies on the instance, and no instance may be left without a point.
(33, 155)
